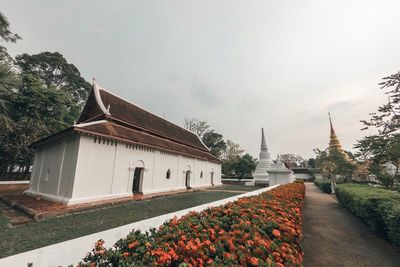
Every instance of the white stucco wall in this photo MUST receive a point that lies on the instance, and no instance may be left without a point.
(101, 168)
(275, 178)
(303, 176)
(54, 168)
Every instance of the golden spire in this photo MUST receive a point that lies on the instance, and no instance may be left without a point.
(334, 143)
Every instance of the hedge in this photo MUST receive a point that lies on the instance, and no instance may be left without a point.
(324, 185)
(378, 208)
(263, 230)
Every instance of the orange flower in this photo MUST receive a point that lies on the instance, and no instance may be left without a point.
(125, 254)
(254, 261)
(212, 249)
(133, 244)
(276, 233)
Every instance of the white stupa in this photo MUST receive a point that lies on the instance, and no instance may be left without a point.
(265, 162)
(267, 172)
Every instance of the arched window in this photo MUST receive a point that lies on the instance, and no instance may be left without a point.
(201, 174)
(168, 175)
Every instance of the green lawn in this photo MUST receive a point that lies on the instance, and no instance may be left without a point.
(232, 187)
(38, 234)
(3, 222)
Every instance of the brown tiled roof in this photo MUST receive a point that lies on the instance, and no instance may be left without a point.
(113, 117)
(125, 134)
(123, 111)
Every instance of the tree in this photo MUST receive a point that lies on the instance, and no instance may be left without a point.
(5, 32)
(8, 79)
(383, 149)
(387, 119)
(335, 164)
(196, 126)
(244, 165)
(292, 160)
(230, 155)
(36, 111)
(55, 72)
(382, 152)
(311, 163)
(215, 142)
(232, 151)
(6, 36)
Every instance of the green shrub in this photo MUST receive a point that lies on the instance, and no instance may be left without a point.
(324, 185)
(378, 208)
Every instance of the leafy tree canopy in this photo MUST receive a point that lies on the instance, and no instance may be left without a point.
(55, 72)
(215, 142)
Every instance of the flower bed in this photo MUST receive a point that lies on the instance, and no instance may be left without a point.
(263, 230)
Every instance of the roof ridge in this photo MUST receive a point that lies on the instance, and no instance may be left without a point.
(140, 107)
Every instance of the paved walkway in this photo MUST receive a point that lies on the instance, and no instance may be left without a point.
(334, 237)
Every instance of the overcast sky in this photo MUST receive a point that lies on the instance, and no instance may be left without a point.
(240, 65)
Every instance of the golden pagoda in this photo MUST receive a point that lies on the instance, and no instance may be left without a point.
(334, 143)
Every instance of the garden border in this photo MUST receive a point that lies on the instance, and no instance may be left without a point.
(72, 251)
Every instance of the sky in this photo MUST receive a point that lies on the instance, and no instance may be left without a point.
(239, 65)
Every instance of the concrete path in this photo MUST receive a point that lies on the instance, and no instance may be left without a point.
(334, 237)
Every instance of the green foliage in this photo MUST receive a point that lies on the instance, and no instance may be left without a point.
(55, 72)
(324, 185)
(381, 150)
(5, 32)
(215, 142)
(311, 163)
(335, 164)
(34, 111)
(384, 147)
(378, 208)
(244, 165)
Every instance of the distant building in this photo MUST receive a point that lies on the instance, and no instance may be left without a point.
(303, 173)
(118, 149)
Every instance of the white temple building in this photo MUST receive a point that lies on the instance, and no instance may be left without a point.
(269, 172)
(118, 149)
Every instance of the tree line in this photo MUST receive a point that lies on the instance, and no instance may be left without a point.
(234, 161)
(40, 94)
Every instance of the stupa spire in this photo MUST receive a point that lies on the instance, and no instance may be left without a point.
(330, 122)
(263, 143)
(334, 143)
